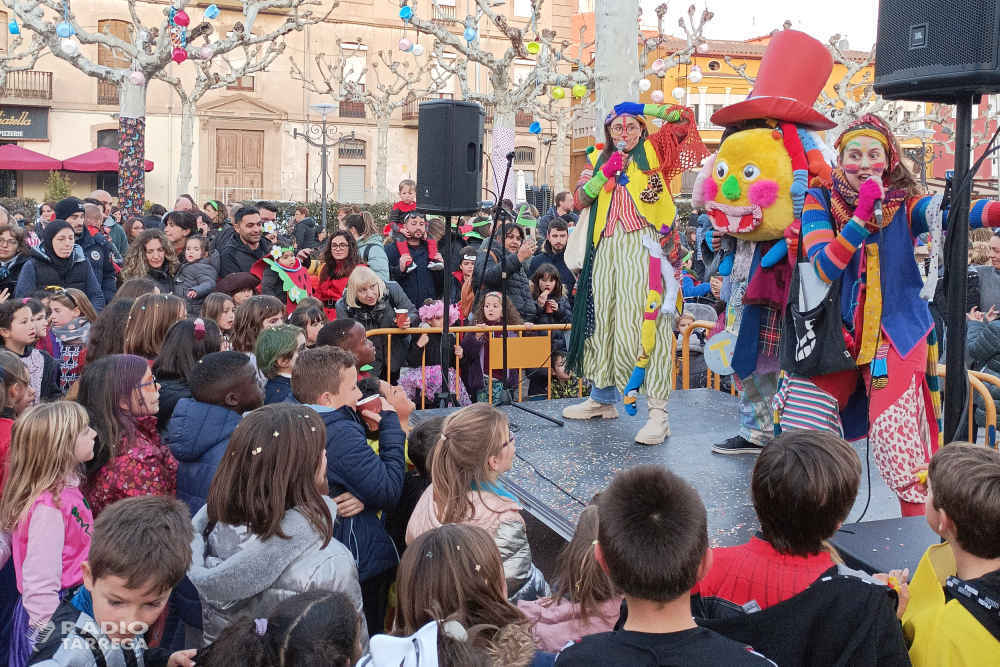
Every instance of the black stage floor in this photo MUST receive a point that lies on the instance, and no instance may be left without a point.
(559, 469)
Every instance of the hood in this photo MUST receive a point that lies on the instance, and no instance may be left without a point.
(237, 242)
(38, 253)
(339, 415)
(196, 427)
(253, 564)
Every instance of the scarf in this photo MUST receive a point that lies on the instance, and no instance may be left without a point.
(76, 332)
(844, 199)
(62, 265)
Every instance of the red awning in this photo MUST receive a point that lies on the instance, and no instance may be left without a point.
(16, 158)
(99, 159)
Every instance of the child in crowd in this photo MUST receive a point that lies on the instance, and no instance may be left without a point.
(697, 368)
(583, 600)
(311, 629)
(239, 286)
(44, 510)
(197, 276)
(140, 550)
(133, 288)
(40, 318)
(276, 350)
(121, 396)
(423, 373)
(407, 204)
(362, 482)
(310, 319)
(151, 317)
(253, 316)
(187, 342)
(553, 305)
(69, 322)
(455, 572)
(461, 292)
(222, 310)
(477, 351)
(653, 543)
(282, 275)
(475, 448)
(266, 533)
(420, 444)
(564, 383)
(951, 618)
(19, 335)
(349, 335)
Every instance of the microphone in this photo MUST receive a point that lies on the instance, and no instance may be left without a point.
(621, 146)
(878, 211)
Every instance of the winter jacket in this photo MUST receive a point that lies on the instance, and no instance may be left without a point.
(475, 360)
(146, 468)
(549, 216)
(97, 250)
(43, 373)
(983, 346)
(398, 213)
(200, 276)
(330, 291)
(372, 251)
(518, 285)
(563, 315)
(223, 237)
(119, 239)
(554, 624)
(416, 354)
(163, 279)
(13, 272)
(305, 233)
(237, 574)
(238, 257)
(558, 260)
(272, 283)
(198, 434)
(172, 389)
(374, 479)
(277, 389)
(498, 515)
(39, 273)
(383, 316)
(421, 283)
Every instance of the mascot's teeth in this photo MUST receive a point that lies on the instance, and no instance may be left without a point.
(734, 222)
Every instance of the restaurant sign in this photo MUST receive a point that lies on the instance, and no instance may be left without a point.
(24, 123)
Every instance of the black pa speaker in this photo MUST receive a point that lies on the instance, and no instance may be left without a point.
(450, 157)
(937, 50)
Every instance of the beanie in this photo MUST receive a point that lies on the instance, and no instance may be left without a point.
(67, 207)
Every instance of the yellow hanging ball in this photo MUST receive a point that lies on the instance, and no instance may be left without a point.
(558, 93)
(579, 90)
(534, 47)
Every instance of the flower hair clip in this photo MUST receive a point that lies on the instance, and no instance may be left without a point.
(270, 227)
(199, 328)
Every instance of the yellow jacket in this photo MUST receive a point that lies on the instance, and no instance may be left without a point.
(940, 633)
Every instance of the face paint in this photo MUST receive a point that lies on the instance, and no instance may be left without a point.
(851, 168)
(878, 167)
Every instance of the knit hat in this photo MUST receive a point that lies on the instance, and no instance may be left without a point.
(237, 282)
(67, 207)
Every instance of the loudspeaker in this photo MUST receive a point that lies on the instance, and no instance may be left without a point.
(936, 50)
(450, 157)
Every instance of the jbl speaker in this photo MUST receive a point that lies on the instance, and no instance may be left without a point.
(936, 50)
(450, 157)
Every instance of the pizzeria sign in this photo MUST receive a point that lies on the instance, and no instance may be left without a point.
(24, 123)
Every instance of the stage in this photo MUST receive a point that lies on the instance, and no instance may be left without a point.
(558, 469)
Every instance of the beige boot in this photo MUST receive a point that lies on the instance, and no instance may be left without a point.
(656, 429)
(590, 409)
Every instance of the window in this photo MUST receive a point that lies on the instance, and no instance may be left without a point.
(352, 149)
(714, 65)
(8, 180)
(524, 155)
(522, 7)
(108, 181)
(107, 93)
(237, 62)
(245, 82)
(351, 186)
(107, 139)
(3, 32)
(354, 68)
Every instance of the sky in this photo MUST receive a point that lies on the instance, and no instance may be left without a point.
(855, 20)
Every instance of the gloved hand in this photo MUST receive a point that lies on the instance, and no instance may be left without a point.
(869, 191)
(630, 109)
(792, 240)
(613, 165)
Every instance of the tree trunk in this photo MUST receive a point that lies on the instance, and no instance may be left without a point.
(188, 112)
(503, 144)
(131, 148)
(559, 154)
(382, 157)
(616, 55)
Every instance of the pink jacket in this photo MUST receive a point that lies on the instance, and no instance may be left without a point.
(555, 625)
(489, 511)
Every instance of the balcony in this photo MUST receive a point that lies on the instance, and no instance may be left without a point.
(489, 114)
(107, 93)
(443, 14)
(523, 119)
(28, 84)
(411, 111)
(352, 109)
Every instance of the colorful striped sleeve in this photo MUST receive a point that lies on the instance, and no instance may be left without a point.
(828, 252)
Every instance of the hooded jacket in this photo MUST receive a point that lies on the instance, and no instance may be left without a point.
(13, 273)
(39, 273)
(558, 260)
(237, 574)
(238, 257)
(518, 285)
(372, 252)
(305, 233)
(374, 479)
(200, 276)
(98, 252)
(198, 434)
(383, 316)
(556, 624)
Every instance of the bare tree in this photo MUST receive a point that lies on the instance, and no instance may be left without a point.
(17, 59)
(563, 119)
(694, 34)
(402, 85)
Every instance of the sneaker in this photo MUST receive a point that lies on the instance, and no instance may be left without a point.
(411, 267)
(737, 445)
(435, 266)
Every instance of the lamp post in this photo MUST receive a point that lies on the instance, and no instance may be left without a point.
(317, 136)
(923, 134)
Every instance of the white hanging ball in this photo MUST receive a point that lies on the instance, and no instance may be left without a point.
(645, 85)
(702, 48)
(657, 96)
(694, 76)
(418, 50)
(69, 47)
(136, 78)
(206, 52)
(677, 93)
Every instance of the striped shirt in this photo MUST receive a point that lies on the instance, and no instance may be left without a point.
(829, 252)
(623, 209)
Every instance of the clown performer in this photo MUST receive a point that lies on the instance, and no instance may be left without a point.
(627, 293)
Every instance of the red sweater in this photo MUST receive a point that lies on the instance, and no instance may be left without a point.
(756, 571)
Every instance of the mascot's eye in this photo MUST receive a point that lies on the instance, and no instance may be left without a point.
(721, 170)
(750, 172)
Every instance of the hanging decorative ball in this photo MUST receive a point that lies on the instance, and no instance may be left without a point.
(136, 78)
(644, 85)
(694, 76)
(579, 90)
(658, 65)
(702, 48)
(206, 52)
(599, 146)
(211, 12)
(69, 47)
(534, 47)
(418, 50)
(178, 55)
(405, 45)
(12, 27)
(677, 93)
(38, 12)
(658, 96)
(535, 128)
(406, 13)
(65, 30)
(469, 34)
(182, 19)
(558, 93)
(590, 149)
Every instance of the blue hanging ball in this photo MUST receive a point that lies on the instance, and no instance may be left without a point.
(65, 30)
(211, 12)
(536, 128)
(14, 29)
(469, 34)
(406, 13)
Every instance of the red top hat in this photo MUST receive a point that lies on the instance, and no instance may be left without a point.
(792, 73)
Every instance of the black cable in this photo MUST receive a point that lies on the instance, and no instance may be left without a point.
(868, 470)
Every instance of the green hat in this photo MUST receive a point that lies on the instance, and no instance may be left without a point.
(524, 218)
(473, 235)
(480, 223)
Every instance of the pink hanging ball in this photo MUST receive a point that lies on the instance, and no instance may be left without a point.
(179, 55)
(206, 52)
(657, 96)
(136, 78)
(182, 19)
(405, 45)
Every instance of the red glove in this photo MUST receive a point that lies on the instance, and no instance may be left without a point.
(792, 239)
(869, 191)
(612, 166)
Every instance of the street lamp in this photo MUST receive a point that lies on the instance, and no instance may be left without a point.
(923, 134)
(317, 136)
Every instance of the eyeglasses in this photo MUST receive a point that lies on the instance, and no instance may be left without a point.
(146, 384)
(625, 129)
(511, 441)
(339, 246)
(7, 242)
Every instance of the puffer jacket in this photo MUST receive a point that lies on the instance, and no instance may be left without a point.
(500, 517)
(983, 345)
(39, 273)
(198, 434)
(556, 623)
(383, 316)
(305, 233)
(238, 574)
(200, 276)
(172, 389)
(518, 284)
(372, 251)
